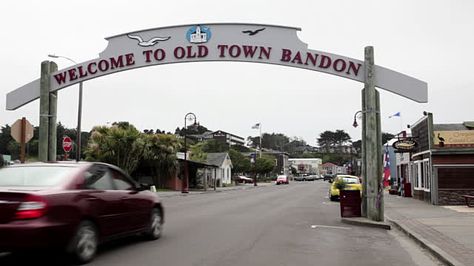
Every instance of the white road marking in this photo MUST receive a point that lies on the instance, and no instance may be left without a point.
(314, 226)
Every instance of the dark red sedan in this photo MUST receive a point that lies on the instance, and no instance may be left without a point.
(73, 206)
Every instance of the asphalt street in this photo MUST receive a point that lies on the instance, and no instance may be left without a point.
(290, 225)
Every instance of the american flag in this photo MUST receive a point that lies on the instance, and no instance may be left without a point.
(386, 168)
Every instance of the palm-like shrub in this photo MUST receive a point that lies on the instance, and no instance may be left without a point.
(161, 155)
(121, 144)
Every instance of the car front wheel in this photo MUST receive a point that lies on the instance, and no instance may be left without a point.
(155, 226)
(83, 246)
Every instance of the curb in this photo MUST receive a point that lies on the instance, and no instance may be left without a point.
(362, 221)
(424, 243)
(179, 194)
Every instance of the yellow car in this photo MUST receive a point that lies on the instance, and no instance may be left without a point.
(349, 182)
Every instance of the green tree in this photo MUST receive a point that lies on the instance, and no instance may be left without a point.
(7, 145)
(274, 141)
(296, 147)
(240, 162)
(386, 137)
(326, 140)
(336, 158)
(241, 148)
(14, 149)
(213, 145)
(329, 140)
(264, 165)
(357, 145)
(341, 138)
(191, 130)
(122, 145)
(160, 154)
(5, 139)
(197, 152)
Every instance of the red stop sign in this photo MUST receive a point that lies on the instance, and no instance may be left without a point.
(67, 144)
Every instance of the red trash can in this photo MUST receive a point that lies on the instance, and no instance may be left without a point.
(350, 202)
(407, 190)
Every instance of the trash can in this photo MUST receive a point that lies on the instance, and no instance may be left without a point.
(350, 202)
(407, 190)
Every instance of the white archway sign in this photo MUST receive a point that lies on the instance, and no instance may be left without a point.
(239, 42)
(255, 43)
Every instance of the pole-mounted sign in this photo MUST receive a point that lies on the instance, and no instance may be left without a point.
(67, 144)
(22, 131)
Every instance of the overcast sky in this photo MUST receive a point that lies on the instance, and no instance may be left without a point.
(430, 40)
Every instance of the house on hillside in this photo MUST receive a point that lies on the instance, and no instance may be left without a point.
(222, 175)
(220, 136)
(333, 169)
(306, 165)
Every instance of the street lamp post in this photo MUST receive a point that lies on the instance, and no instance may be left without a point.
(184, 187)
(354, 124)
(79, 111)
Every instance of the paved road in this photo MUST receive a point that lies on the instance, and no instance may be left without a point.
(275, 225)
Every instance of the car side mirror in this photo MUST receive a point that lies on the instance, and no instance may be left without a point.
(142, 187)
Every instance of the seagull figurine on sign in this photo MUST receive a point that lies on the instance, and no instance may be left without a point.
(253, 32)
(441, 140)
(150, 42)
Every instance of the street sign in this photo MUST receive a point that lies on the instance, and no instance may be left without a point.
(16, 131)
(67, 144)
(405, 145)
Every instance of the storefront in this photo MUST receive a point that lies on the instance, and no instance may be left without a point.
(442, 166)
(403, 174)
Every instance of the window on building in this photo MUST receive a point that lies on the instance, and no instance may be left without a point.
(414, 171)
(420, 174)
(426, 174)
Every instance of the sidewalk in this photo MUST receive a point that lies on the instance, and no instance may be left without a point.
(446, 231)
(173, 193)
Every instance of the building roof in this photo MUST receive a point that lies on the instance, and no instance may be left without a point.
(304, 159)
(207, 134)
(270, 151)
(216, 158)
(454, 127)
(223, 132)
(198, 164)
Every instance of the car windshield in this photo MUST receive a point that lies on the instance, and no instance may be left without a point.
(33, 176)
(350, 180)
